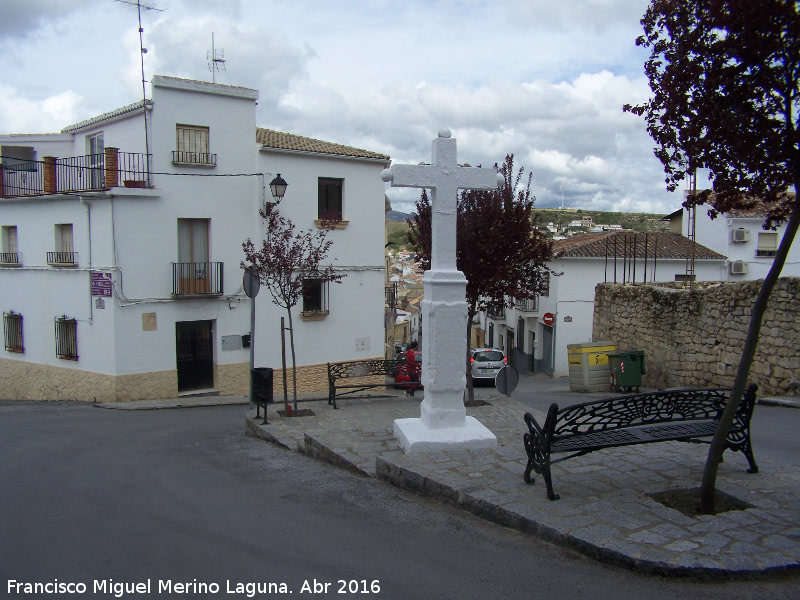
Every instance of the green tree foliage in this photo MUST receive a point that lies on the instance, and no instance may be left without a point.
(498, 246)
(724, 76)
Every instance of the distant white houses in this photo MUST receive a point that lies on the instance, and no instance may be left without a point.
(120, 272)
(535, 333)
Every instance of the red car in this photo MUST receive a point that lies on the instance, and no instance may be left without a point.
(401, 378)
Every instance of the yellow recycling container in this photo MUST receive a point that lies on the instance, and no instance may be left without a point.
(588, 366)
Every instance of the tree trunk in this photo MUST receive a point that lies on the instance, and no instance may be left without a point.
(470, 382)
(708, 487)
(294, 361)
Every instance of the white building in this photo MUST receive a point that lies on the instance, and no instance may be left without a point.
(739, 235)
(120, 276)
(535, 334)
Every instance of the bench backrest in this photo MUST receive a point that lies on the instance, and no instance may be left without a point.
(648, 408)
(360, 368)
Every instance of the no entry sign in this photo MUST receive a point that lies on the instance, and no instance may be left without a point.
(548, 318)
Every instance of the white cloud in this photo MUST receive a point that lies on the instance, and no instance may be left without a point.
(542, 80)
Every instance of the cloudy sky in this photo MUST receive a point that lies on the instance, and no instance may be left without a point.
(542, 79)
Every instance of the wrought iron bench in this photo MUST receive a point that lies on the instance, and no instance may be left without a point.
(675, 415)
(359, 369)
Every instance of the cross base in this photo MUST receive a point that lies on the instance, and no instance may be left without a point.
(414, 436)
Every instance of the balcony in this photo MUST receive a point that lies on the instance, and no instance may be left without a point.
(89, 173)
(10, 259)
(62, 259)
(197, 279)
(195, 159)
(496, 313)
(527, 304)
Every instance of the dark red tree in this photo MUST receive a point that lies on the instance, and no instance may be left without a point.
(724, 76)
(286, 261)
(498, 245)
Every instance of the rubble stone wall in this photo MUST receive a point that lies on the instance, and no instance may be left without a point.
(695, 337)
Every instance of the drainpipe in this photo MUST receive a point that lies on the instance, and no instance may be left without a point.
(89, 235)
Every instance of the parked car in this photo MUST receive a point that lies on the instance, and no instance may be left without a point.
(401, 377)
(485, 364)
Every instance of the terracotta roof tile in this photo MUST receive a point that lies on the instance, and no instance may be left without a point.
(270, 138)
(655, 244)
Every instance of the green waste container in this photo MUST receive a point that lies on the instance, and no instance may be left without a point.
(626, 370)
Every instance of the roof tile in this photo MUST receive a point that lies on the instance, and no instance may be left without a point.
(270, 138)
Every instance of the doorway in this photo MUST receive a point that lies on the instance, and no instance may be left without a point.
(195, 355)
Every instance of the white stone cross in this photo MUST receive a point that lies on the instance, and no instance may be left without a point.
(443, 422)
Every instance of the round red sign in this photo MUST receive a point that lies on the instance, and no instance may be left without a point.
(548, 318)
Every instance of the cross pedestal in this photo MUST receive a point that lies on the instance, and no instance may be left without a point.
(443, 422)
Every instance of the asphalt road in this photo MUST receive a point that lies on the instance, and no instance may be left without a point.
(106, 498)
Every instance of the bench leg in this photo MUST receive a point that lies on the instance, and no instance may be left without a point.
(539, 463)
(747, 450)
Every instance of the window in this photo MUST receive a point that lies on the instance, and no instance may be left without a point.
(767, 243)
(66, 338)
(65, 252)
(95, 148)
(315, 297)
(329, 205)
(12, 332)
(192, 146)
(9, 253)
(193, 273)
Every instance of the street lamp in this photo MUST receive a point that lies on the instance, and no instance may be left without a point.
(278, 188)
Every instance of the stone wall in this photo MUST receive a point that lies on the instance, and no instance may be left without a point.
(695, 338)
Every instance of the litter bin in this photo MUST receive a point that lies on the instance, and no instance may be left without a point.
(588, 366)
(261, 382)
(626, 369)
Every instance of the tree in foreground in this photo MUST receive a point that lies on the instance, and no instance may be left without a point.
(725, 77)
(498, 246)
(289, 266)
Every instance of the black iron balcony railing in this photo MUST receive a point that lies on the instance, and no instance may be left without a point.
(10, 258)
(179, 157)
(196, 279)
(133, 170)
(494, 312)
(22, 179)
(90, 173)
(81, 173)
(62, 258)
(527, 304)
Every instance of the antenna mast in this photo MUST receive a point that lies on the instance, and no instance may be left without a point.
(142, 51)
(216, 62)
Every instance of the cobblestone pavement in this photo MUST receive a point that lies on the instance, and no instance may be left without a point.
(604, 510)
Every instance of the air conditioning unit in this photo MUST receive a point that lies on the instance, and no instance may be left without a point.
(738, 267)
(740, 235)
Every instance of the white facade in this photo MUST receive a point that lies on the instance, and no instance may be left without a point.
(533, 345)
(742, 238)
(197, 211)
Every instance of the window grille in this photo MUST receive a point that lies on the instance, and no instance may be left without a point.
(315, 296)
(12, 332)
(66, 338)
(329, 205)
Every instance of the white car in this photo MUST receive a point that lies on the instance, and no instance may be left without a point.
(486, 362)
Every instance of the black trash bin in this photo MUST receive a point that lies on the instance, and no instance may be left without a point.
(261, 384)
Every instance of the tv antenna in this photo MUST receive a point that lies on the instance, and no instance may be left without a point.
(216, 60)
(142, 51)
(562, 196)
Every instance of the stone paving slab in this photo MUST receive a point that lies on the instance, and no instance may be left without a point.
(604, 510)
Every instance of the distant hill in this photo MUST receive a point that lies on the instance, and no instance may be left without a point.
(396, 216)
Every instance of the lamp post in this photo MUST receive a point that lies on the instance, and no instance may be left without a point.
(251, 283)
